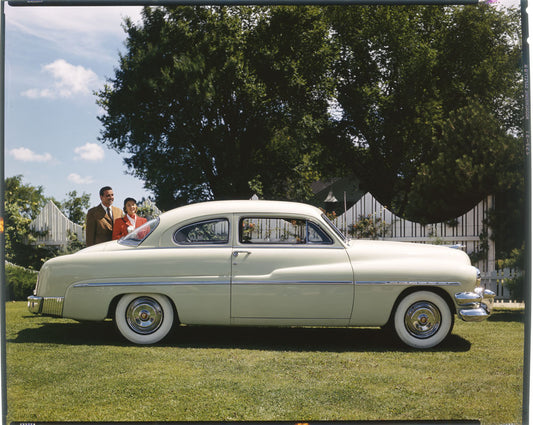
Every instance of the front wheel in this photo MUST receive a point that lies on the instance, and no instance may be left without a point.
(144, 319)
(423, 319)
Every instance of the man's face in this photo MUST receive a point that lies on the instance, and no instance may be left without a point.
(107, 198)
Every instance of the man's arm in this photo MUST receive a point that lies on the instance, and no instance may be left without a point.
(90, 229)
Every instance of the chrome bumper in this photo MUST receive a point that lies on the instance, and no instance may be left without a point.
(474, 306)
(51, 306)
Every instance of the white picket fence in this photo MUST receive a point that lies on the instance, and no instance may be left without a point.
(464, 231)
(56, 225)
(494, 280)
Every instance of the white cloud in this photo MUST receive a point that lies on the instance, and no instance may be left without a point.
(90, 152)
(27, 155)
(68, 81)
(76, 178)
(81, 31)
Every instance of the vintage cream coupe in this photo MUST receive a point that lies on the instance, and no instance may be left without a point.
(260, 263)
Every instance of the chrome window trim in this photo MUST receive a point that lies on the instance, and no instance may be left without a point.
(200, 243)
(286, 246)
(329, 243)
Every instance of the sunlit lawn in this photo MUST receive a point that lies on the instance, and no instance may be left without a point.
(62, 370)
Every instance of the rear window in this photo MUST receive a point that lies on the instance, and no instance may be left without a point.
(140, 233)
(214, 231)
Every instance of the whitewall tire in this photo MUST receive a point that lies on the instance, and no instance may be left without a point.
(423, 319)
(144, 318)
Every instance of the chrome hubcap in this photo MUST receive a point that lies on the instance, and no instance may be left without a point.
(144, 315)
(422, 319)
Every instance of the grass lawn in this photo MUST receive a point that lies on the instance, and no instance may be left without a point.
(62, 370)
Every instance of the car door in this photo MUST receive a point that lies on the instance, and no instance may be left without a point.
(202, 265)
(289, 270)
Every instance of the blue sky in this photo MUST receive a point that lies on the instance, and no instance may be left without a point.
(55, 58)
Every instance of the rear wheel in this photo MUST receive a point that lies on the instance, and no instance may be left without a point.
(423, 319)
(144, 319)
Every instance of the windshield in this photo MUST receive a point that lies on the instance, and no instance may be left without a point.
(140, 233)
(334, 228)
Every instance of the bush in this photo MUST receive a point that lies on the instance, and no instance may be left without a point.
(515, 262)
(516, 287)
(20, 282)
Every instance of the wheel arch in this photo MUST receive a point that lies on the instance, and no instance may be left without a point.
(408, 291)
(113, 304)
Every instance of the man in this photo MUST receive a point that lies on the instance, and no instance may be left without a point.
(99, 222)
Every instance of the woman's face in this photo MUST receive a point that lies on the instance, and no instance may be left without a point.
(131, 207)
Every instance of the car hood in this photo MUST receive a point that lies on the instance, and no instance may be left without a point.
(372, 250)
(402, 261)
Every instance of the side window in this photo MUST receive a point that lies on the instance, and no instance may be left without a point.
(203, 232)
(271, 230)
(315, 234)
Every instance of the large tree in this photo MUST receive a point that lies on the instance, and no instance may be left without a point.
(431, 105)
(213, 102)
(23, 202)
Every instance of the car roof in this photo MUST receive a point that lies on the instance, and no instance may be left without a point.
(243, 206)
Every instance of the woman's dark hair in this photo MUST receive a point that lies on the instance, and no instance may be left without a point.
(128, 200)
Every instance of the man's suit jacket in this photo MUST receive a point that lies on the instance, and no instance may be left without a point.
(99, 226)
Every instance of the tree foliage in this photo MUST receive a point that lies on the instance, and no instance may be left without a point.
(75, 206)
(23, 203)
(431, 100)
(422, 103)
(208, 101)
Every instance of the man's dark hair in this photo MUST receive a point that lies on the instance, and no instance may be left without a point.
(104, 189)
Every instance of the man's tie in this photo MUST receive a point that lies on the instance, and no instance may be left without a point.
(109, 213)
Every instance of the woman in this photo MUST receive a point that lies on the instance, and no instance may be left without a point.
(124, 225)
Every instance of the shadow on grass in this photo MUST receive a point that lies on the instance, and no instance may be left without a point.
(253, 338)
(507, 316)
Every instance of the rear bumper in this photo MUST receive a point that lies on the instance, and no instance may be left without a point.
(51, 306)
(474, 306)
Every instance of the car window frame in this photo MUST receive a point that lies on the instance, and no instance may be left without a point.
(307, 243)
(206, 243)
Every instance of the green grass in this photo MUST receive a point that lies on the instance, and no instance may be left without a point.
(62, 370)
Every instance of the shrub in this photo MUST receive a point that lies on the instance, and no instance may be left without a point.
(515, 262)
(20, 282)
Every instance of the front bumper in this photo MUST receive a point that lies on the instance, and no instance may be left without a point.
(474, 306)
(51, 306)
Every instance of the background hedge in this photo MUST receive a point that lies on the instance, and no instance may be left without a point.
(20, 282)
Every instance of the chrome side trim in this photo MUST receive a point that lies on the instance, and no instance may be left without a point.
(248, 282)
(405, 282)
(293, 282)
(174, 283)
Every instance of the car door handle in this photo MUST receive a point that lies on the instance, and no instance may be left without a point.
(236, 253)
